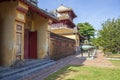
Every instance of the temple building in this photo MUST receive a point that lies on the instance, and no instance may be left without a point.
(65, 25)
(28, 32)
(24, 31)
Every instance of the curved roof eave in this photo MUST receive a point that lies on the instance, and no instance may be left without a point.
(40, 11)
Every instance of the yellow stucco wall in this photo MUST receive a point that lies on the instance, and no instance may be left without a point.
(22, 5)
(73, 36)
(9, 18)
(21, 20)
(7, 32)
(63, 31)
(22, 52)
(77, 40)
(40, 24)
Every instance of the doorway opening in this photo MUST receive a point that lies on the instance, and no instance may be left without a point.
(30, 44)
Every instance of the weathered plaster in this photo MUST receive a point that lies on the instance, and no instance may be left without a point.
(7, 31)
(40, 25)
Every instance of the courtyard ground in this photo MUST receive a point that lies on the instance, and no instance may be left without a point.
(76, 60)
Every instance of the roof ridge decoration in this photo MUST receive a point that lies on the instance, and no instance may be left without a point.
(63, 8)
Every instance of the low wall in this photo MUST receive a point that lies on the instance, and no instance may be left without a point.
(61, 46)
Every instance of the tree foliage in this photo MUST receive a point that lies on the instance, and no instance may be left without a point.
(109, 35)
(96, 41)
(86, 30)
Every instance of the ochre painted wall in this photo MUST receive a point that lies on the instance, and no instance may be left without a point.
(77, 40)
(7, 32)
(41, 25)
(22, 40)
(20, 19)
(63, 30)
(10, 17)
(73, 36)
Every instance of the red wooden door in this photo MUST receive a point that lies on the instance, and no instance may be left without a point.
(26, 44)
(33, 45)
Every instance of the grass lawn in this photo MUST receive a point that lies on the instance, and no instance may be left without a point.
(116, 63)
(86, 73)
(114, 56)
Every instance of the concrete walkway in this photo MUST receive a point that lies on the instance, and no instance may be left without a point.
(99, 61)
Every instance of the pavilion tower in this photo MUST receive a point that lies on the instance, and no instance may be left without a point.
(65, 16)
(65, 25)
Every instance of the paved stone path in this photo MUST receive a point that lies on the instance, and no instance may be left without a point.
(99, 61)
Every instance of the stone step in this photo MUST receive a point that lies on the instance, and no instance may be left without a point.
(28, 67)
(49, 70)
(4, 69)
(25, 67)
(26, 63)
(20, 75)
(32, 61)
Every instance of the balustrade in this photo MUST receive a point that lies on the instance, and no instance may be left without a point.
(58, 26)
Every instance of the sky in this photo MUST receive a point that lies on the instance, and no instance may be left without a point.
(93, 11)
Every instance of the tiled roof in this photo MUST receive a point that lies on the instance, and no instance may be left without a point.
(63, 8)
(39, 10)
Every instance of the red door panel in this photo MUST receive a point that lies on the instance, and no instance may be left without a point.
(33, 45)
(26, 44)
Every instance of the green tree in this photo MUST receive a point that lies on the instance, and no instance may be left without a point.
(95, 41)
(86, 30)
(109, 35)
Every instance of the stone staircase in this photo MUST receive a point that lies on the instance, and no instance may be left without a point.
(29, 67)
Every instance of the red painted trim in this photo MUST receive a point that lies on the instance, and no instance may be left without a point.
(69, 22)
(19, 21)
(66, 21)
(22, 9)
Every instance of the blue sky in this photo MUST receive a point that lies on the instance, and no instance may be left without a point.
(93, 11)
